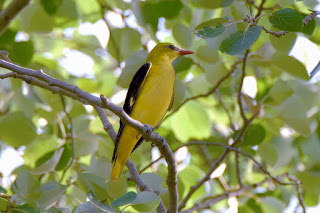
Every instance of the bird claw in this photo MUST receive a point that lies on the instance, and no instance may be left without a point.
(149, 129)
(163, 142)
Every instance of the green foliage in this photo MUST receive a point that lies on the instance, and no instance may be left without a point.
(240, 41)
(287, 19)
(66, 151)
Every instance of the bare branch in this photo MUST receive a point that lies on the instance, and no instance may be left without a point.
(195, 187)
(243, 73)
(135, 177)
(10, 12)
(277, 34)
(39, 78)
(311, 16)
(213, 200)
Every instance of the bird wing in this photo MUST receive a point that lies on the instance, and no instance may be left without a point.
(132, 95)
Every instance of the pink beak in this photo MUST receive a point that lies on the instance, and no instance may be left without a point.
(186, 52)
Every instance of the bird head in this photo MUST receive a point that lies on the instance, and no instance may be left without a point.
(167, 50)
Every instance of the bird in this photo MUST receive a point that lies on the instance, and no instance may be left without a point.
(149, 97)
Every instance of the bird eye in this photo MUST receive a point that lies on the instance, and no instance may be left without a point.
(171, 47)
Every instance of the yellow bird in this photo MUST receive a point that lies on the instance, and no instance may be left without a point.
(149, 97)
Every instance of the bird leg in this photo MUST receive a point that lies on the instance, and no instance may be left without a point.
(148, 131)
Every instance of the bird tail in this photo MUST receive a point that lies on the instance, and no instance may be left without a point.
(116, 170)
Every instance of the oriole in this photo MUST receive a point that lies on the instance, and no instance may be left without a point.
(149, 97)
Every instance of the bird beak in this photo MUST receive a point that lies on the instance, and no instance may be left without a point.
(186, 52)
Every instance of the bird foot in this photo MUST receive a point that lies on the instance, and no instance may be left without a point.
(148, 131)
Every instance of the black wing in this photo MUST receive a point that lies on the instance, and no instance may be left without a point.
(131, 98)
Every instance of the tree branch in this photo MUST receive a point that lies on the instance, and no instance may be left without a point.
(8, 14)
(213, 200)
(135, 177)
(195, 187)
(243, 73)
(39, 78)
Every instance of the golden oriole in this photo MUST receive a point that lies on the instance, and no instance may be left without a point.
(149, 97)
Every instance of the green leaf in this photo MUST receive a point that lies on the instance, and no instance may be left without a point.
(215, 72)
(290, 65)
(146, 201)
(209, 32)
(3, 204)
(50, 164)
(3, 190)
(124, 200)
(86, 142)
(97, 203)
(287, 19)
(89, 10)
(127, 41)
(51, 6)
(294, 113)
(25, 208)
(272, 205)
(254, 135)
(13, 121)
(311, 147)
(44, 158)
(22, 52)
(191, 121)
(26, 186)
(309, 28)
(182, 64)
(40, 21)
(208, 54)
(67, 14)
(283, 43)
(89, 85)
(133, 63)
(212, 24)
(207, 4)
(154, 181)
(65, 157)
(118, 188)
(41, 144)
(278, 93)
(182, 35)
(51, 193)
(92, 183)
(240, 41)
(268, 152)
(87, 207)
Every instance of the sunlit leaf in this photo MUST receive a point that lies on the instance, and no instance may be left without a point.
(191, 121)
(10, 123)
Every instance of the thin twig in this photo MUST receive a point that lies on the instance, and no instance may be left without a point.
(234, 193)
(243, 73)
(195, 187)
(260, 8)
(238, 170)
(43, 80)
(311, 16)
(135, 177)
(277, 34)
(10, 12)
